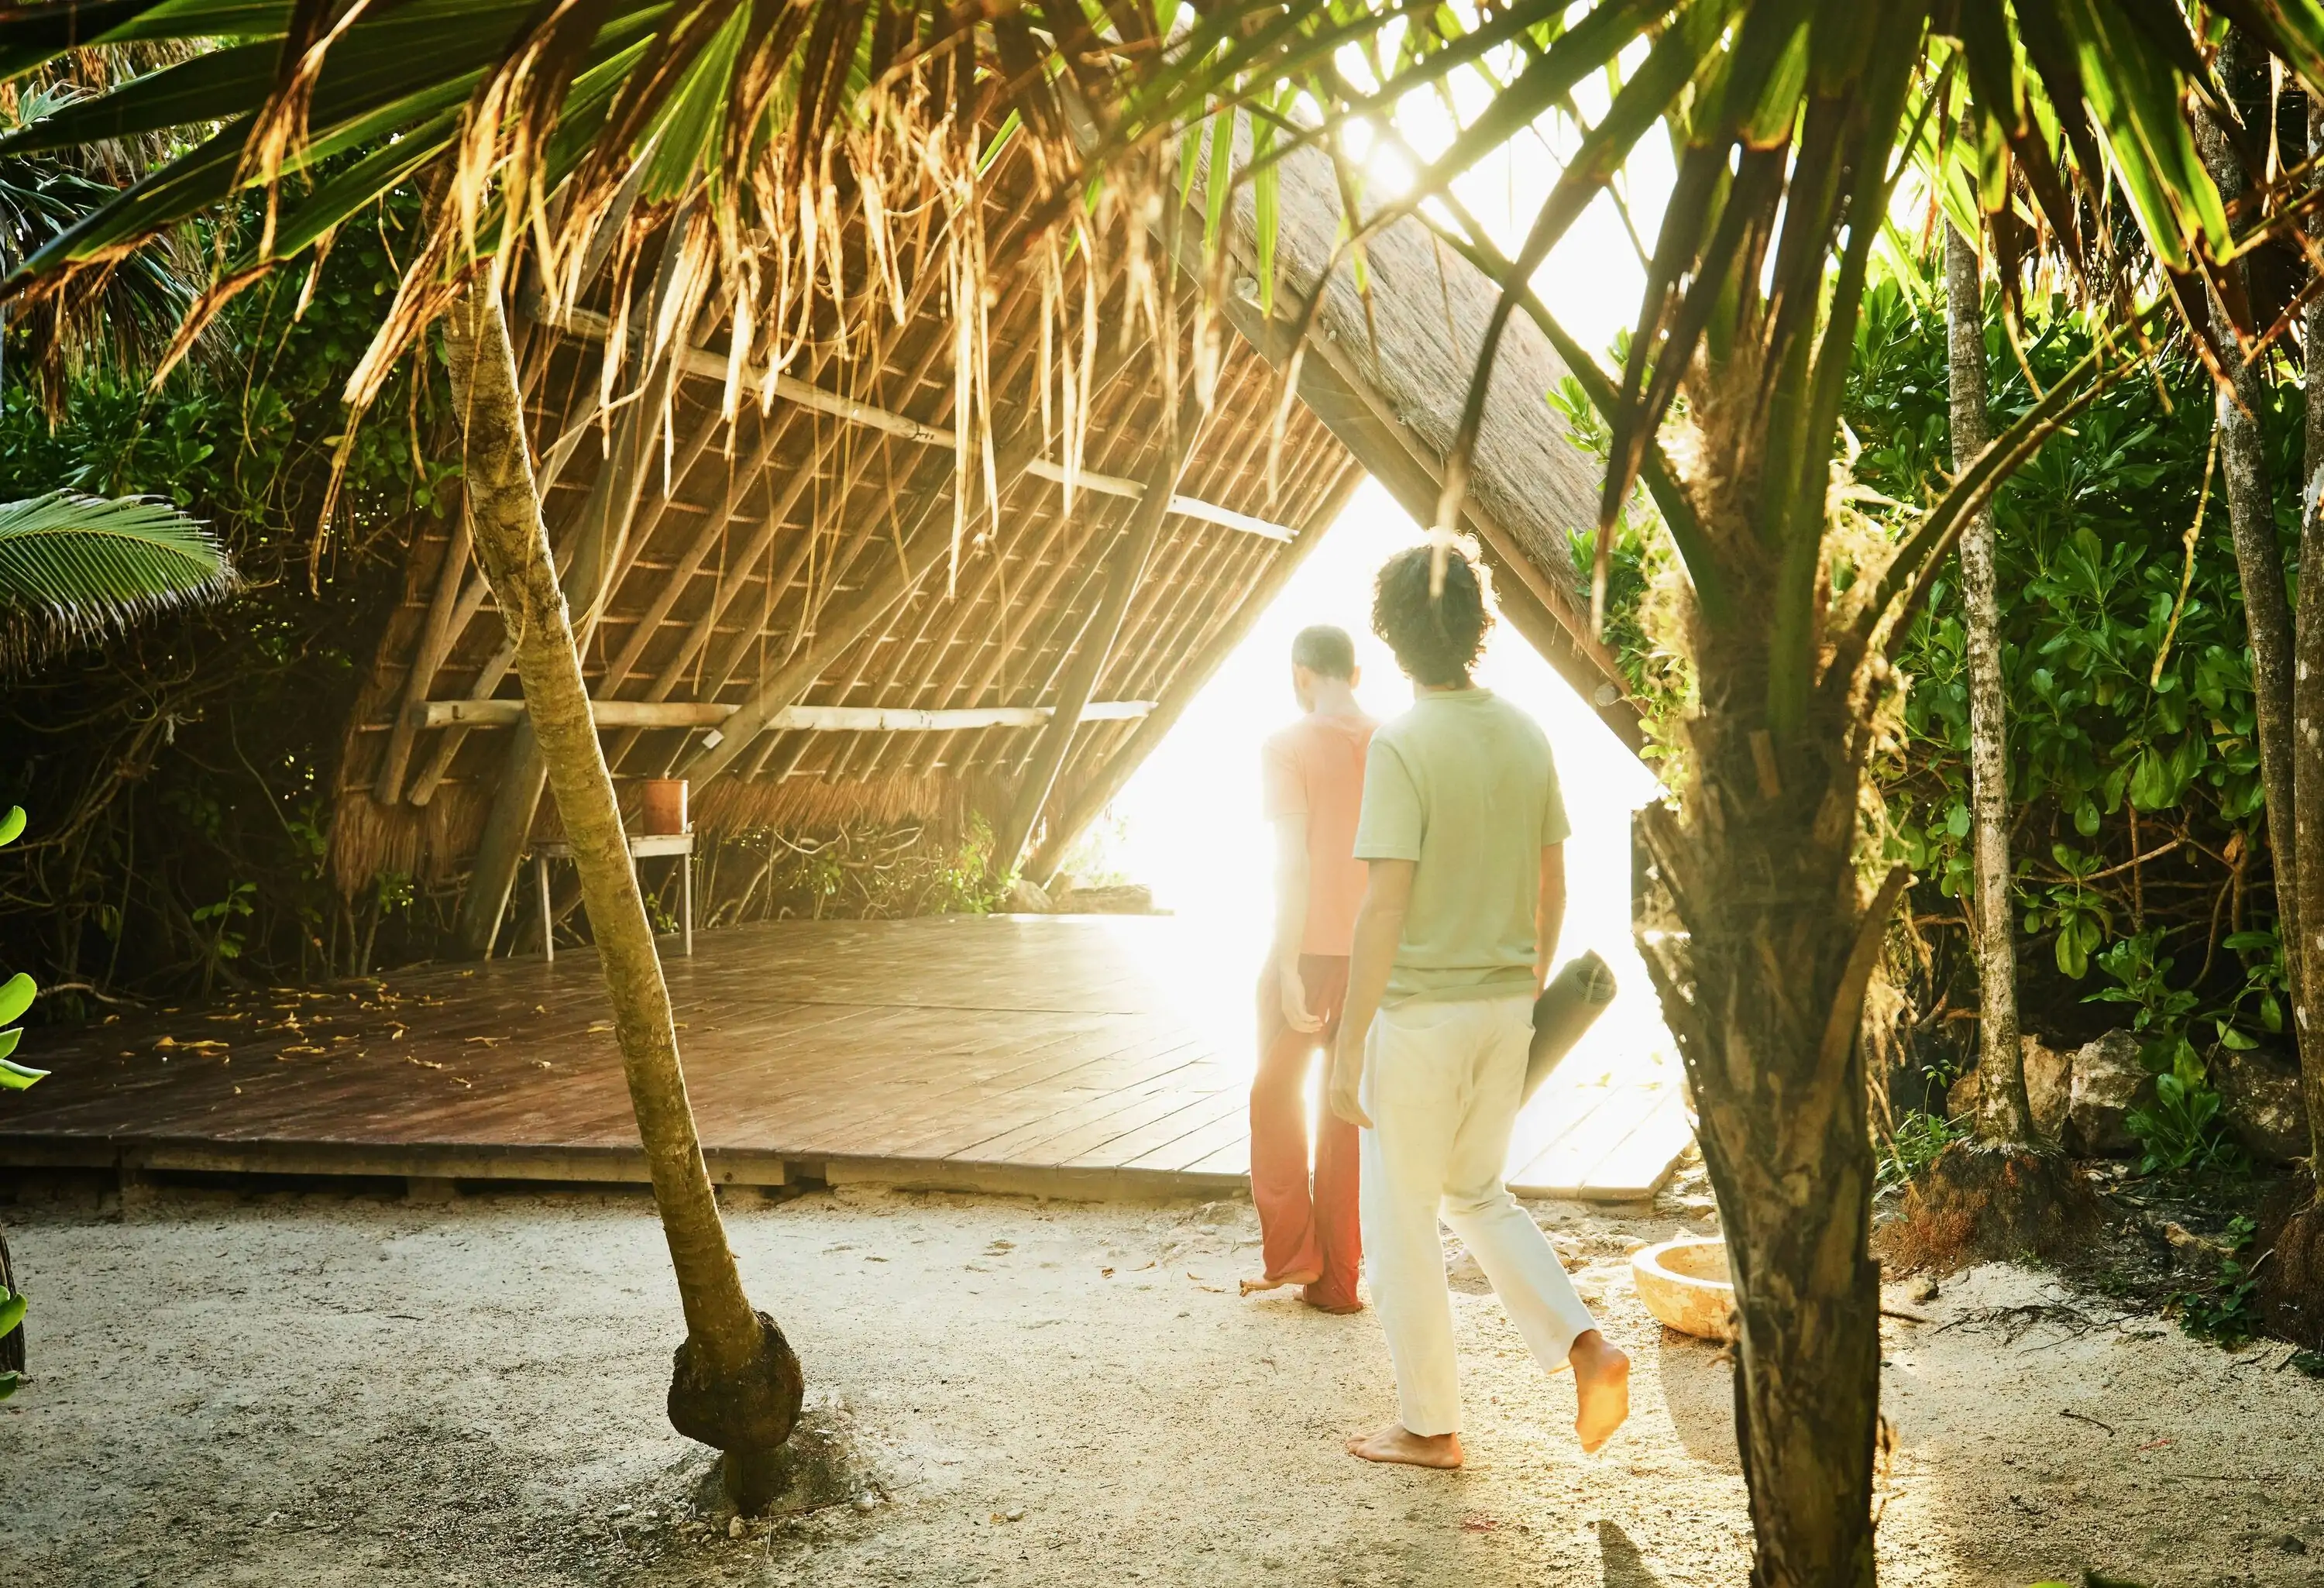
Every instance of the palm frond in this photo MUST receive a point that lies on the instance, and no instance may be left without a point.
(76, 567)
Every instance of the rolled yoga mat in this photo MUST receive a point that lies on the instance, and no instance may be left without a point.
(1567, 1008)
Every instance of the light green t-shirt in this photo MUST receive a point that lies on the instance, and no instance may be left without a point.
(1463, 784)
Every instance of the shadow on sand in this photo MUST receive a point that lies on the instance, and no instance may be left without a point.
(1699, 1388)
(1619, 1561)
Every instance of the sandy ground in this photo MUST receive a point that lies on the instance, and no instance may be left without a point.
(326, 1388)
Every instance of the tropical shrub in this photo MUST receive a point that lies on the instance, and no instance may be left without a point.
(2139, 833)
(186, 767)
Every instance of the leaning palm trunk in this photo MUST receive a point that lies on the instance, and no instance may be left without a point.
(737, 1384)
(2003, 1113)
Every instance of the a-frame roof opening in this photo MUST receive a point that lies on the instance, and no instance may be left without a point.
(779, 609)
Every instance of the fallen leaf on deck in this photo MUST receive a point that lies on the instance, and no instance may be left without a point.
(543, 1064)
(489, 1041)
(425, 1064)
(1107, 1273)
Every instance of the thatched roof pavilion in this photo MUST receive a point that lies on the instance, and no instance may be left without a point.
(785, 625)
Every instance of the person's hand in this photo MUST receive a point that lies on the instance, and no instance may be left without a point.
(1294, 999)
(1347, 1080)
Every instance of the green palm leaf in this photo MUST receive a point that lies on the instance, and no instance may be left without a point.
(74, 566)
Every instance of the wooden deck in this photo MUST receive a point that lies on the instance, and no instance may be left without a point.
(1061, 1055)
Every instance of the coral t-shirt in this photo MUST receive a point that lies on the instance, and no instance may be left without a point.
(1315, 768)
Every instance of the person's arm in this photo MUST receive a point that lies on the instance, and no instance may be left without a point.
(1379, 927)
(1291, 882)
(1548, 914)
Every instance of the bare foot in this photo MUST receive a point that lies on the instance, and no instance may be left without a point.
(1256, 1287)
(1338, 1306)
(1398, 1443)
(1601, 1385)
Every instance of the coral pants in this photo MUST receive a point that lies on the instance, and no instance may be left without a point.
(1304, 1228)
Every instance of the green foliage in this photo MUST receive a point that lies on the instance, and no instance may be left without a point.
(196, 754)
(220, 923)
(16, 994)
(11, 1318)
(2133, 775)
(73, 565)
(1920, 1138)
(2131, 722)
(2182, 1131)
(864, 871)
(2220, 1311)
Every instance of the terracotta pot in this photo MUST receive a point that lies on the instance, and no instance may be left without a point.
(664, 814)
(1683, 1282)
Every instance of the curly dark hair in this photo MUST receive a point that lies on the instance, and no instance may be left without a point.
(1437, 638)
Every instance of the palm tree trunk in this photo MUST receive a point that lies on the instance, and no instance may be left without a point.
(2003, 1113)
(2259, 554)
(1763, 990)
(737, 1385)
(2304, 956)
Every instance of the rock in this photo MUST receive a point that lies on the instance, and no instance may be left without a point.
(2293, 1544)
(867, 1501)
(2049, 1085)
(733, 1526)
(2108, 1083)
(2048, 1089)
(1926, 1290)
(1027, 897)
(2259, 1096)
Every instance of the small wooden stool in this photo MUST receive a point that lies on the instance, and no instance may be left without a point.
(642, 845)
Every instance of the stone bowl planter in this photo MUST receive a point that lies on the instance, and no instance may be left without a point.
(1683, 1282)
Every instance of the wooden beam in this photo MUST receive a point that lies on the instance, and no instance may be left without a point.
(1068, 823)
(1125, 566)
(1402, 460)
(823, 719)
(708, 363)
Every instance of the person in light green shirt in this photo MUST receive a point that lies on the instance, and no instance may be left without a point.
(1464, 786)
(1463, 833)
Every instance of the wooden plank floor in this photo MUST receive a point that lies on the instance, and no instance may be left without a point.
(1063, 1055)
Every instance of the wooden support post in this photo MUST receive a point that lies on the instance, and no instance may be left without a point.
(1069, 821)
(508, 832)
(427, 657)
(1125, 567)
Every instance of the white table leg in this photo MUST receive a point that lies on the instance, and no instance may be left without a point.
(548, 922)
(686, 898)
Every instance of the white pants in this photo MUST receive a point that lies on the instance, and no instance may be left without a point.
(1442, 1084)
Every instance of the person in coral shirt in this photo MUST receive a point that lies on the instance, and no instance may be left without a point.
(1312, 773)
